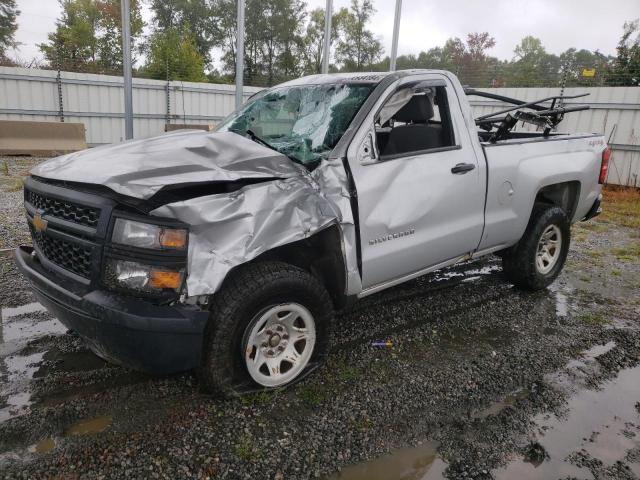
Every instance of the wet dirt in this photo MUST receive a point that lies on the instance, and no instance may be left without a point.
(43, 446)
(419, 463)
(93, 425)
(480, 381)
(602, 424)
(597, 424)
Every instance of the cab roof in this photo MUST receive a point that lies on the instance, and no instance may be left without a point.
(354, 77)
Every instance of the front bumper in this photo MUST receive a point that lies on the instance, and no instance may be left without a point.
(158, 339)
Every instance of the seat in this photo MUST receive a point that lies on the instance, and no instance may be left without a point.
(417, 134)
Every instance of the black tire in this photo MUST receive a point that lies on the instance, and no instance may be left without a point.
(247, 292)
(519, 261)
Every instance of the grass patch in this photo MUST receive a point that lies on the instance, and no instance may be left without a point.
(311, 395)
(593, 227)
(630, 253)
(578, 233)
(593, 318)
(338, 372)
(615, 272)
(364, 424)
(347, 373)
(246, 449)
(262, 398)
(10, 184)
(621, 205)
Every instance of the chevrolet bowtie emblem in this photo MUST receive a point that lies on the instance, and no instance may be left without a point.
(39, 223)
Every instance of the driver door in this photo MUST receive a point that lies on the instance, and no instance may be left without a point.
(420, 185)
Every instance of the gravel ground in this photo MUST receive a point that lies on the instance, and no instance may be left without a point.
(13, 226)
(482, 381)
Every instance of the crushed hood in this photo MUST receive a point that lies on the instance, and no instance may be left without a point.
(140, 168)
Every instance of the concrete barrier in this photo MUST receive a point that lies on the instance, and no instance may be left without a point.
(40, 138)
(171, 127)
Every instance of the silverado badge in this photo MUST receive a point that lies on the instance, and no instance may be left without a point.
(39, 223)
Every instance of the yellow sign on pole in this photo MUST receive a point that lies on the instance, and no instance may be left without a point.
(588, 72)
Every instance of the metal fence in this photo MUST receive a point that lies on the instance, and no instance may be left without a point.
(614, 112)
(97, 101)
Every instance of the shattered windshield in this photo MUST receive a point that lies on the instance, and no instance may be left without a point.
(303, 122)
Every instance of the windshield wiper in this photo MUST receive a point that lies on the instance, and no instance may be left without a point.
(259, 140)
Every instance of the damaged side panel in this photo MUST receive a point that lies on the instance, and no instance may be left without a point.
(334, 184)
(228, 230)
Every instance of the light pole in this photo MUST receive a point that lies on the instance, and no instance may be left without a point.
(396, 32)
(126, 69)
(327, 36)
(240, 54)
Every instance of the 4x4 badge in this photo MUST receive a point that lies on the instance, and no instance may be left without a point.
(39, 223)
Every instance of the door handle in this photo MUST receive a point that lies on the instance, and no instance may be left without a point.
(462, 168)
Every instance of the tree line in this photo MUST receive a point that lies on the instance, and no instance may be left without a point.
(195, 40)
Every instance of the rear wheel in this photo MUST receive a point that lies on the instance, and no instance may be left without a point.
(269, 326)
(537, 259)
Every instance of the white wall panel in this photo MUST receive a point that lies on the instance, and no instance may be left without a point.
(614, 112)
(96, 101)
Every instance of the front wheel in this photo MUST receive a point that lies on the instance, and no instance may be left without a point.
(537, 259)
(269, 325)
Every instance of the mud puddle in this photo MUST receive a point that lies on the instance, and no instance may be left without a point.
(8, 312)
(596, 431)
(419, 463)
(18, 326)
(91, 426)
(33, 346)
(16, 373)
(562, 295)
(600, 428)
(43, 446)
(21, 324)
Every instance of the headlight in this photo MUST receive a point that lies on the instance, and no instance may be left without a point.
(142, 278)
(147, 235)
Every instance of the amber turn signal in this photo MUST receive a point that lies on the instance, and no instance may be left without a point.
(165, 279)
(173, 238)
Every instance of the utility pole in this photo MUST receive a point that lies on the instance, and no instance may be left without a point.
(240, 54)
(126, 69)
(327, 36)
(396, 32)
(59, 79)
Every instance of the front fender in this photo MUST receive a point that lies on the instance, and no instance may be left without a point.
(227, 230)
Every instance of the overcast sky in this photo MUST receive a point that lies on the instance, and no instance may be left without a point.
(561, 24)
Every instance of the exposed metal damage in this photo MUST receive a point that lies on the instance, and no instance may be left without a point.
(228, 230)
(240, 199)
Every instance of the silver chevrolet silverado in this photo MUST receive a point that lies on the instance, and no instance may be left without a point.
(229, 251)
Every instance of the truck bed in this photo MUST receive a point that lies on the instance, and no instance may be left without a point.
(523, 165)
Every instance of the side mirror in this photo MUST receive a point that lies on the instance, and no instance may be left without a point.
(368, 152)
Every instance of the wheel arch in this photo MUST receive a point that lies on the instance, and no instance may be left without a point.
(321, 255)
(564, 195)
(519, 262)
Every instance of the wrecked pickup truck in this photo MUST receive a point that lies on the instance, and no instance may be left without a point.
(229, 251)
